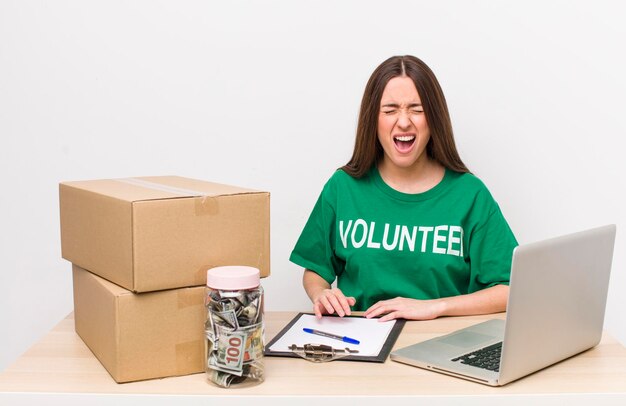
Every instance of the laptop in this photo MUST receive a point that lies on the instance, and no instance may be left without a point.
(557, 299)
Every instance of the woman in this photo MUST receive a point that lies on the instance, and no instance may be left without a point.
(404, 227)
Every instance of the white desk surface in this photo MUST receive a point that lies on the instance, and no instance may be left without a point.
(61, 368)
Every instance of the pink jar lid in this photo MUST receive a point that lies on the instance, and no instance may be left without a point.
(233, 277)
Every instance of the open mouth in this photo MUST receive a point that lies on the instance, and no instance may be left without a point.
(404, 142)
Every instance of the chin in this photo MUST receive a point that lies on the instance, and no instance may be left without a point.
(404, 163)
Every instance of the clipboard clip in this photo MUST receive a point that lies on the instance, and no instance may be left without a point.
(320, 352)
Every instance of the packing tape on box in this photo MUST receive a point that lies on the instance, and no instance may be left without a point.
(208, 205)
(165, 188)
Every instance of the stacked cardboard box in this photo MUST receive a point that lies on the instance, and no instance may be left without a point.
(140, 249)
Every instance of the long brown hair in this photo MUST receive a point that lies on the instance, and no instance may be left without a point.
(441, 147)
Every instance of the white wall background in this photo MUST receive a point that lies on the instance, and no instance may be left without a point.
(265, 94)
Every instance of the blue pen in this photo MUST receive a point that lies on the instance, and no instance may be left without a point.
(329, 335)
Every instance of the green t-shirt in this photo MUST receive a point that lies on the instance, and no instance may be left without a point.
(380, 243)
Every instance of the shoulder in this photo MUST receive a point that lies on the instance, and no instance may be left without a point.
(339, 176)
(341, 186)
(469, 186)
(466, 179)
(341, 180)
(468, 182)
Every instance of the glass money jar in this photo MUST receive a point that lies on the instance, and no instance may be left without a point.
(234, 327)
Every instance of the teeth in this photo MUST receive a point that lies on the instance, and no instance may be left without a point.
(405, 138)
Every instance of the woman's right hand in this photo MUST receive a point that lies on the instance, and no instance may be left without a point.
(329, 301)
(326, 300)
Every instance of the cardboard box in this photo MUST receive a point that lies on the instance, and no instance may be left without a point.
(140, 336)
(164, 232)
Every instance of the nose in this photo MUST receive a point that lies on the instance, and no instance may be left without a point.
(404, 121)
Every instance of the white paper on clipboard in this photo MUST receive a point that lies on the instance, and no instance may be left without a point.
(371, 333)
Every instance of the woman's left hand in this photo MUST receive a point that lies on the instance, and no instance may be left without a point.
(404, 308)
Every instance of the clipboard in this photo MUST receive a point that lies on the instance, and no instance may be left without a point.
(292, 329)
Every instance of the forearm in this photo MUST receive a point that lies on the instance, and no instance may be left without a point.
(325, 299)
(313, 284)
(490, 300)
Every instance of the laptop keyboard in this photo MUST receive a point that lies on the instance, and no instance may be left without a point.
(486, 358)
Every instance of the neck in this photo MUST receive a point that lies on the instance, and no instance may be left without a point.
(415, 179)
